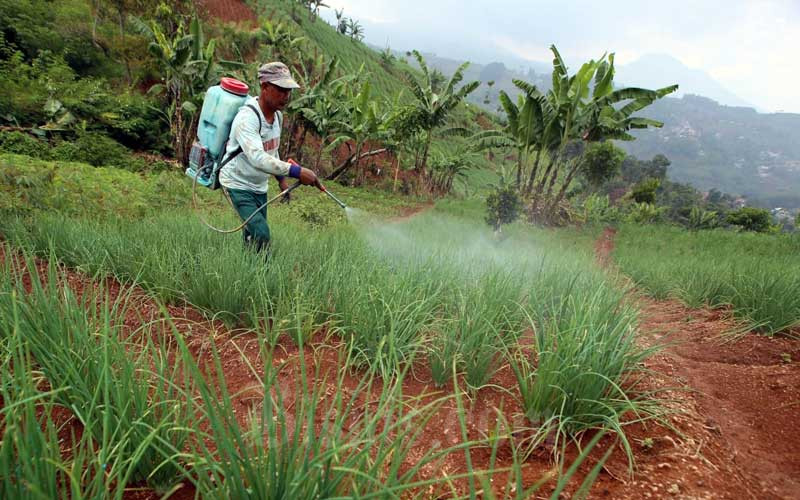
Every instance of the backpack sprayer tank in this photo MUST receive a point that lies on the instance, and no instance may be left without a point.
(220, 106)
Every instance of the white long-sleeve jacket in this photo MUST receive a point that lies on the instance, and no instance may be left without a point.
(259, 159)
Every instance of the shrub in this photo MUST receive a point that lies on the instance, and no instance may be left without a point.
(503, 206)
(23, 144)
(132, 120)
(315, 209)
(751, 219)
(645, 213)
(92, 148)
(702, 219)
(645, 191)
(100, 150)
(601, 162)
(598, 210)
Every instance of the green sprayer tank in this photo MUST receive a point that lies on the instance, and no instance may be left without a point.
(220, 106)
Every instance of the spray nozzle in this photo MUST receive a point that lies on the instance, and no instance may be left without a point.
(334, 198)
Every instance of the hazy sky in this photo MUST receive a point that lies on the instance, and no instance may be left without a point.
(751, 47)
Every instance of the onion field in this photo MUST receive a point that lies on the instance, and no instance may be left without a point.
(334, 332)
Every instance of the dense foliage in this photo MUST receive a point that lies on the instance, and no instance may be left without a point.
(503, 206)
(751, 219)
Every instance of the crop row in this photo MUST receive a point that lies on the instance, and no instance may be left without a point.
(757, 276)
(142, 410)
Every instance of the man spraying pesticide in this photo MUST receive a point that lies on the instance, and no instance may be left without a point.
(255, 129)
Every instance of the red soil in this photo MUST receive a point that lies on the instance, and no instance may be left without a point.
(734, 406)
(234, 11)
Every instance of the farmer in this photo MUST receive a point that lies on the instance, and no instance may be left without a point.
(257, 129)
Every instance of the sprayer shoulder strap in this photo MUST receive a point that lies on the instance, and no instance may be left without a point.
(238, 150)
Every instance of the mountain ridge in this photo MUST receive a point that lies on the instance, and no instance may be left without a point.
(661, 70)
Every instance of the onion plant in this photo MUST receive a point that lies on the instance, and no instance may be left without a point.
(114, 388)
(314, 437)
(756, 275)
(581, 371)
(30, 457)
(435, 282)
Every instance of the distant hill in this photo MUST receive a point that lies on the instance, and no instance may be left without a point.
(649, 71)
(661, 70)
(735, 149)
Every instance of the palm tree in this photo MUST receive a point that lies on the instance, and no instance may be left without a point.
(387, 59)
(601, 118)
(314, 6)
(341, 22)
(434, 102)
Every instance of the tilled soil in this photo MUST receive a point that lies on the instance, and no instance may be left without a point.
(739, 398)
(731, 432)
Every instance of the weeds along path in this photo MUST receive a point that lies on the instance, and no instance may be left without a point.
(739, 402)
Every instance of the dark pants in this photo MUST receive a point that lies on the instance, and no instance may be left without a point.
(255, 232)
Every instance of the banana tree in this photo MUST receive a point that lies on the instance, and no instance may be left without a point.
(445, 168)
(188, 66)
(524, 132)
(284, 45)
(607, 115)
(355, 29)
(432, 106)
(565, 103)
(358, 123)
(319, 109)
(579, 108)
(316, 82)
(314, 6)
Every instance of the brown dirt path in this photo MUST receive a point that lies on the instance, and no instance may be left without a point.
(741, 399)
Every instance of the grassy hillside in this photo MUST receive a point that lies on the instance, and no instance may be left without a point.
(330, 42)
